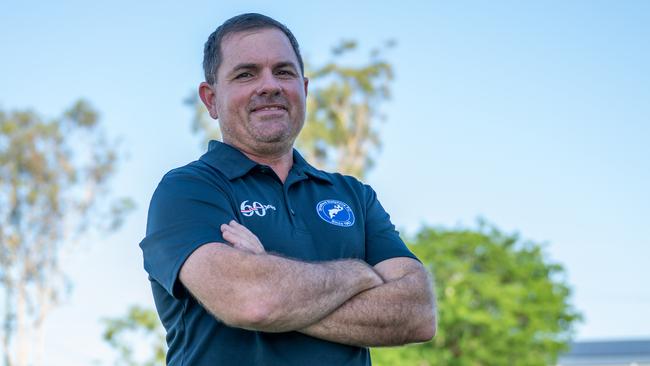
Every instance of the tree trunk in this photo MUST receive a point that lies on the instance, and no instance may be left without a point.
(21, 325)
(45, 300)
(7, 326)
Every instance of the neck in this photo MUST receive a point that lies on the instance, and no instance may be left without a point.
(280, 162)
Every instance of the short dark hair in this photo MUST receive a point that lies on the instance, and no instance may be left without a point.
(240, 23)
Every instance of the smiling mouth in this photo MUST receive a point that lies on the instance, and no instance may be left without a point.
(269, 108)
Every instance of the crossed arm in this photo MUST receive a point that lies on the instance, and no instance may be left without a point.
(344, 301)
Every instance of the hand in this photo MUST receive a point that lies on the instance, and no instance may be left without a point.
(241, 238)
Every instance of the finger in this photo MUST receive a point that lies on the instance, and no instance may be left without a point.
(234, 237)
(234, 230)
(243, 230)
(236, 227)
(230, 238)
(224, 227)
(242, 237)
(238, 235)
(239, 243)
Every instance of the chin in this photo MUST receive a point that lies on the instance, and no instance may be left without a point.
(273, 139)
(272, 133)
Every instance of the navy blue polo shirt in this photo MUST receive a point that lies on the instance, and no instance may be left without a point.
(313, 216)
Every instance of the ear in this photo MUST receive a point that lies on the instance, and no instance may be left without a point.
(208, 96)
(306, 81)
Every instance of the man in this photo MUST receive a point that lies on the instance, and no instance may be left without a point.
(257, 258)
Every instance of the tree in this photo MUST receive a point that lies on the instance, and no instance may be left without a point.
(54, 180)
(139, 323)
(500, 301)
(202, 124)
(343, 108)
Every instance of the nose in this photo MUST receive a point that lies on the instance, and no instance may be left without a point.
(269, 85)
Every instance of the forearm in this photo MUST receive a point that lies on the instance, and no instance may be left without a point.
(275, 294)
(299, 293)
(398, 312)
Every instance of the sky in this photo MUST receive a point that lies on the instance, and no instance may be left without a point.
(532, 115)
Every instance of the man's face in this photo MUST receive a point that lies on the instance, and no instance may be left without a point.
(260, 92)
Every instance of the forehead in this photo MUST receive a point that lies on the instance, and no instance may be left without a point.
(260, 46)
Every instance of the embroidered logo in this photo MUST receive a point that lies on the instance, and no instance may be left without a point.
(254, 208)
(335, 212)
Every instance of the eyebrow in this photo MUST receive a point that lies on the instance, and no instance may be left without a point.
(245, 66)
(280, 65)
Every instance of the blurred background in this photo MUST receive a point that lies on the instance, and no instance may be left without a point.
(508, 140)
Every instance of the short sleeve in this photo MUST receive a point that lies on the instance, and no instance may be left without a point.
(186, 211)
(382, 240)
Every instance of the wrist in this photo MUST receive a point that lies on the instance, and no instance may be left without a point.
(368, 277)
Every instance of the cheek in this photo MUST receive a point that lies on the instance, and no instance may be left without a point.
(230, 99)
(300, 97)
(237, 104)
(220, 104)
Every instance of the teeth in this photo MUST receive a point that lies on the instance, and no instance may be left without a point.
(269, 109)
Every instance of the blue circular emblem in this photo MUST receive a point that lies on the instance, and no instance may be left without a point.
(335, 212)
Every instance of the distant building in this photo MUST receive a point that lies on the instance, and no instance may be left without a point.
(607, 353)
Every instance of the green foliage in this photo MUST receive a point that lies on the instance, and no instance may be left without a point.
(343, 108)
(139, 323)
(202, 123)
(54, 180)
(500, 302)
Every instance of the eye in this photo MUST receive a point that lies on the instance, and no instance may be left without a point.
(243, 75)
(285, 73)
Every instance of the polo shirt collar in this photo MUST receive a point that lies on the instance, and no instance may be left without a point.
(300, 165)
(228, 160)
(234, 164)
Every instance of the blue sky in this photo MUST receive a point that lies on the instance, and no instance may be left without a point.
(535, 116)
